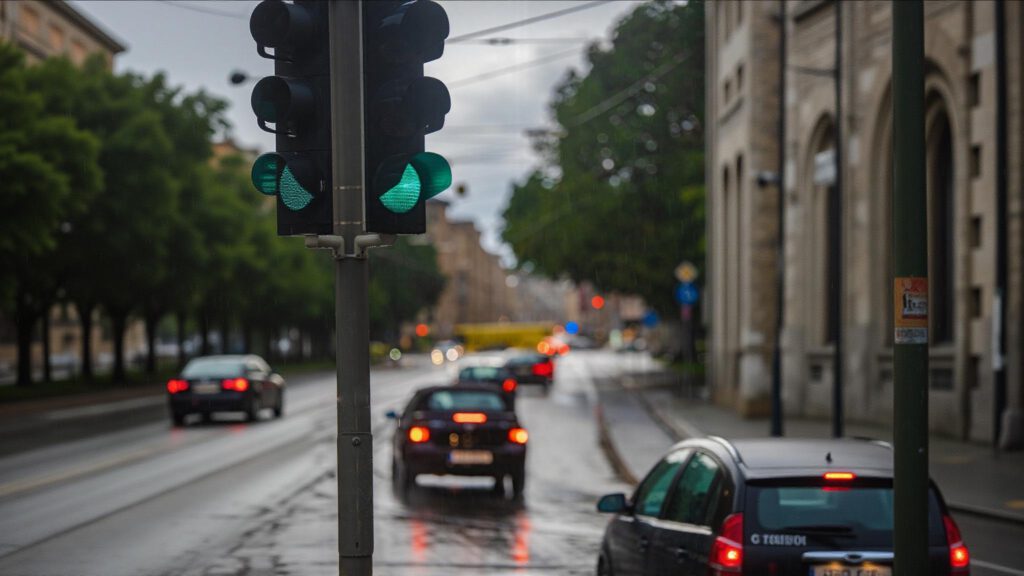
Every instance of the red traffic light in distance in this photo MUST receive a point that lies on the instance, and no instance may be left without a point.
(597, 302)
(422, 330)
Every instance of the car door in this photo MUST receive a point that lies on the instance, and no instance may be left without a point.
(685, 533)
(632, 533)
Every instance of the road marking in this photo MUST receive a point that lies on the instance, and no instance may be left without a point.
(996, 567)
(106, 408)
(76, 471)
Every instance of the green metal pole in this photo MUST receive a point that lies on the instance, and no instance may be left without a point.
(910, 272)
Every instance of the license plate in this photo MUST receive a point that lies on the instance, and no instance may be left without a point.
(207, 388)
(867, 570)
(469, 457)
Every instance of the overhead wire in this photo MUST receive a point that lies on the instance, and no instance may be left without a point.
(525, 22)
(514, 68)
(204, 10)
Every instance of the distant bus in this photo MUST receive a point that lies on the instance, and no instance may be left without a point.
(496, 335)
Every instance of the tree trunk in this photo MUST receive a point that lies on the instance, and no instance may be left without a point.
(247, 337)
(180, 317)
(47, 372)
(225, 335)
(118, 324)
(23, 319)
(204, 333)
(85, 318)
(268, 336)
(152, 320)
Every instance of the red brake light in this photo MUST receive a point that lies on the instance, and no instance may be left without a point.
(545, 368)
(469, 417)
(237, 384)
(727, 549)
(508, 385)
(419, 434)
(518, 435)
(840, 476)
(175, 386)
(959, 557)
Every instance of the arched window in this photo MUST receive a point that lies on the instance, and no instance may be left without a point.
(824, 237)
(942, 231)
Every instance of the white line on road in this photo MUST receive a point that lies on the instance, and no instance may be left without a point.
(996, 567)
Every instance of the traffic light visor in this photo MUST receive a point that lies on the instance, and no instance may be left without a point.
(434, 172)
(423, 176)
(272, 176)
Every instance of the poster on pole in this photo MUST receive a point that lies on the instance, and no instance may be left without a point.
(910, 308)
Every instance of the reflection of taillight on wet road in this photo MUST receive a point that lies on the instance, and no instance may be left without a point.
(175, 386)
(727, 551)
(518, 435)
(509, 385)
(419, 434)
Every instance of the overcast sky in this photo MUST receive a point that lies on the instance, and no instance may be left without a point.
(198, 43)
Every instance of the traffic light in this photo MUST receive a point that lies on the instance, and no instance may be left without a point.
(294, 104)
(400, 106)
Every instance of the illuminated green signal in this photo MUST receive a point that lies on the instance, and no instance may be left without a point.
(271, 176)
(425, 176)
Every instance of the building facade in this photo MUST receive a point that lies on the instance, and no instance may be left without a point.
(46, 28)
(963, 55)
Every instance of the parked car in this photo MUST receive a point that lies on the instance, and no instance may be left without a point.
(469, 430)
(532, 368)
(229, 383)
(487, 371)
(769, 506)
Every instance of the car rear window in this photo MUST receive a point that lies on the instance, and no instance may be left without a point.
(854, 515)
(213, 368)
(481, 373)
(450, 400)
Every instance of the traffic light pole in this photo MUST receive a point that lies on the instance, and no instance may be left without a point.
(910, 292)
(351, 303)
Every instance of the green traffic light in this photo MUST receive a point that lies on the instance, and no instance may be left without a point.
(425, 176)
(271, 176)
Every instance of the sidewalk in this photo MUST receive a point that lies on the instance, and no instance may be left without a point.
(973, 479)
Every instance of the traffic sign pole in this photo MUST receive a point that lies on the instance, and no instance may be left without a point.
(351, 304)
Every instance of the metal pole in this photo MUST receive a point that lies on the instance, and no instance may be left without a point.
(780, 256)
(910, 270)
(836, 226)
(999, 312)
(355, 442)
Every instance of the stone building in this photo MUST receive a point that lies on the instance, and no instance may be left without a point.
(962, 54)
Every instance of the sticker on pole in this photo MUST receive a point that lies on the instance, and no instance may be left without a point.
(910, 308)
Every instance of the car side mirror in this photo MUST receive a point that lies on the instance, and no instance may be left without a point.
(612, 503)
(391, 415)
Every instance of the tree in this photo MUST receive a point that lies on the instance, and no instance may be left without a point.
(49, 171)
(620, 200)
(404, 280)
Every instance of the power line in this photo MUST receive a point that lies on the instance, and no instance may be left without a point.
(205, 10)
(514, 68)
(623, 95)
(527, 21)
(505, 41)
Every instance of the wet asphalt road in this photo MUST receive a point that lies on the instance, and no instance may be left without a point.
(254, 499)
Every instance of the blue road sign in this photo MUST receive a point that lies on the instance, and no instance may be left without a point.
(687, 293)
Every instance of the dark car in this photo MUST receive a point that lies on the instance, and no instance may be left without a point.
(225, 384)
(532, 368)
(769, 506)
(497, 376)
(469, 430)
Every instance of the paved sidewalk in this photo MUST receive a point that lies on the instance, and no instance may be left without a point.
(973, 478)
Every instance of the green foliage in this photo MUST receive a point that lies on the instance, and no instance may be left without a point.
(404, 280)
(620, 201)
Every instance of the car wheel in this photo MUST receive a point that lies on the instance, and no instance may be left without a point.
(279, 409)
(499, 486)
(177, 419)
(401, 484)
(252, 412)
(604, 566)
(518, 483)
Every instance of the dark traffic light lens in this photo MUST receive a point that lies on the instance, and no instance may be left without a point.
(276, 100)
(275, 24)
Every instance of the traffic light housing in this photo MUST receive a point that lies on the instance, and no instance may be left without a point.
(294, 104)
(401, 106)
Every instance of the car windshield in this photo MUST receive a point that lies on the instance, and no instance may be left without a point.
(451, 400)
(481, 373)
(860, 516)
(213, 368)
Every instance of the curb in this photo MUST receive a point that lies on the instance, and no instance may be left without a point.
(604, 439)
(681, 430)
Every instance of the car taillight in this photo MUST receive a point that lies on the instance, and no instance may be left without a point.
(518, 435)
(419, 434)
(236, 384)
(509, 385)
(959, 558)
(727, 550)
(175, 386)
(543, 368)
(469, 417)
(840, 476)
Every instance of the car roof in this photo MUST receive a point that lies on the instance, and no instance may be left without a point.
(482, 361)
(766, 458)
(224, 357)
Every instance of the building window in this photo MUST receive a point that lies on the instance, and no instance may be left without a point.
(975, 160)
(726, 94)
(823, 240)
(30, 20)
(77, 52)
(56, 39)
(739, 80)
(974, 90)
(942, 229)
